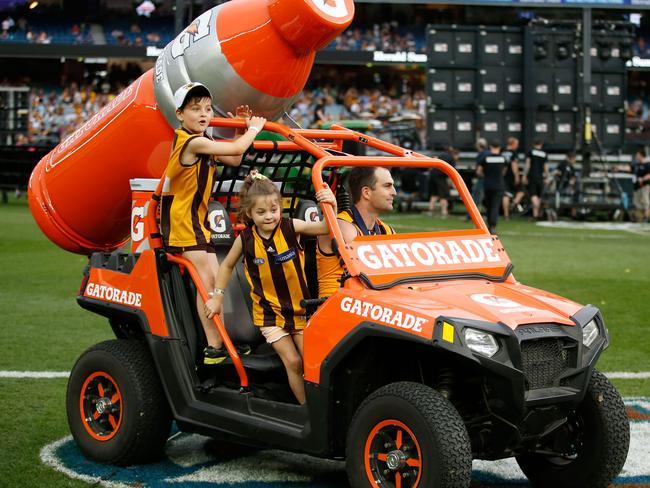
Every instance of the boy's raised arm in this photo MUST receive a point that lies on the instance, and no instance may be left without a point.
(237, 147)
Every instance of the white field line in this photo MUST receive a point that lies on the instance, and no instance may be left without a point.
(34, 374)
(617, 375)
(624, 375)
(49, 458)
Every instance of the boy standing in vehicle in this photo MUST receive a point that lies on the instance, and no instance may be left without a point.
(188, 187)
(372, 190)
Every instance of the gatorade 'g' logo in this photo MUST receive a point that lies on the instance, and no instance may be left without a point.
(311, 215)
(333, 8)
(137, 224)
(217, 221)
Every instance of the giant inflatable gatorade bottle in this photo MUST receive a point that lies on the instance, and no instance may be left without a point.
(255, 52)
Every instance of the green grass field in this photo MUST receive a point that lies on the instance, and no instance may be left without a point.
(44, 328)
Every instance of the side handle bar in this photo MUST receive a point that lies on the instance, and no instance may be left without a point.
(243, 377)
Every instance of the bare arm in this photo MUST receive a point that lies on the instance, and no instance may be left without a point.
(515, 170)
(214, 305)
(347, 229)
(479, 171)
(526, 170)
(236, 148)
(324, 197)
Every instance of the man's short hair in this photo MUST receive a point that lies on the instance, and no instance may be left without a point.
(359, 177)
(512, 140)
(495, 144)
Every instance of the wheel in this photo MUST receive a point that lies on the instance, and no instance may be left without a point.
(117, 410)
(591, 447)
(407, 435)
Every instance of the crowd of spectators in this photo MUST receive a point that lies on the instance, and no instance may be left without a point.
(380, 37)
(385, 36)
(44, 32)
(329, 103)
(157, 32)
(56, 113)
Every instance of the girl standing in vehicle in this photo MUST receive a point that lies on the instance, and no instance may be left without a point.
(274, 264)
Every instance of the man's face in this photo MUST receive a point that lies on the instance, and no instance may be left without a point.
(381, 196)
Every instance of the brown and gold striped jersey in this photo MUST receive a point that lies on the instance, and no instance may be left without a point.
(274, 269)
(184, 205)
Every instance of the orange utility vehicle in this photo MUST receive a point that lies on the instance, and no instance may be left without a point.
(429, 355)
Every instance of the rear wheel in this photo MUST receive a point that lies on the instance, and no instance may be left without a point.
(589, 451)
(117, 410)
(407, 435)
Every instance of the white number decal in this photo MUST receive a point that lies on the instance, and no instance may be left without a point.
(196, 30)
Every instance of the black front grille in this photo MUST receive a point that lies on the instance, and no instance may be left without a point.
(543, 361)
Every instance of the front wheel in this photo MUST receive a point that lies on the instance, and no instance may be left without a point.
(407, 435)
(590, 449)
(117, 410)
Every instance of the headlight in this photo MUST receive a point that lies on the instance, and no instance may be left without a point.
(481, 342)
(589, 333)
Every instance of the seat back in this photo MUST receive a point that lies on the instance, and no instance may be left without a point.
(237, 303)
(310, 211)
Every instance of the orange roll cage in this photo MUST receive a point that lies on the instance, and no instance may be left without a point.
(305, 140)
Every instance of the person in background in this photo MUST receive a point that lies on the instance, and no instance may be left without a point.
(512, 178)
(492, 167)
(535, 172)
(566, 176)
(477, 188)
(641, 172)
(439, 183)
(566, 173)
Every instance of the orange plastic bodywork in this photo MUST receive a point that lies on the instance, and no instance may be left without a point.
(83, 212)
(388, 258)
(142, 282)
(425, 302)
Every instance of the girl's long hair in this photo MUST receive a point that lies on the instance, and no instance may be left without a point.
(255, 185)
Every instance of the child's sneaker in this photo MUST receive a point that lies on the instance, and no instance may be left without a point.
(212, 355)
(243, 349)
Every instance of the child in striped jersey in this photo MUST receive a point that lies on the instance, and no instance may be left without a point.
(273, 260)
(190, 173)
